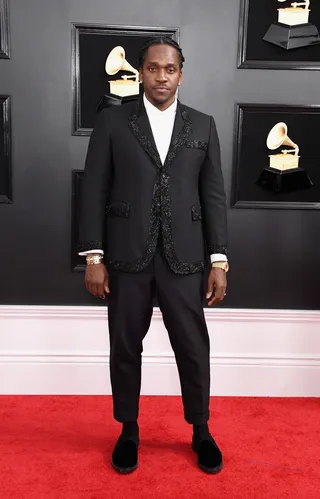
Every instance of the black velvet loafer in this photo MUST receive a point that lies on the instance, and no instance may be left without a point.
(209, 455)
(125, 455)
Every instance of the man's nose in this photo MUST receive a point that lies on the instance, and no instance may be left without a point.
(161, 75)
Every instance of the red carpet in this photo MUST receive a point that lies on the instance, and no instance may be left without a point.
(60, 447)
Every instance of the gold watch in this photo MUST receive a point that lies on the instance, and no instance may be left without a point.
(221, 265)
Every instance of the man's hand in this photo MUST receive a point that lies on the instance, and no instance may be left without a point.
(217, 281)
(97, 280)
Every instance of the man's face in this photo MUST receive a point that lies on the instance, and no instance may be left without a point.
(161, 75)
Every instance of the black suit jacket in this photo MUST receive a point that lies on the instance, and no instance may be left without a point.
(129, 197)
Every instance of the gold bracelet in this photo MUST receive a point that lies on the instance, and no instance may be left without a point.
(221, 265)
(94, 259)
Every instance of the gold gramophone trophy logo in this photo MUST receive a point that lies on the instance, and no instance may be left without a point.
(287, 158)
(293, 29)
(284, 173)
(124, 89)
(127, 85)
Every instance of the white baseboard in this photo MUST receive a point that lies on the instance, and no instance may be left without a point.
(64, 350)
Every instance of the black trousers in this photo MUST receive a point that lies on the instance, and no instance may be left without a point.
(130, 307)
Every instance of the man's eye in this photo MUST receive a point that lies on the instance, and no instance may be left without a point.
(152, 69)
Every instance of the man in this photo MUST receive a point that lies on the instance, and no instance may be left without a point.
(153, 205)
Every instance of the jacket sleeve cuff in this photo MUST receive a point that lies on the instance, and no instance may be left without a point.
(217, 249)
(90, 246)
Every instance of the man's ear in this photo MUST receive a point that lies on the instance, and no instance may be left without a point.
(140, 75)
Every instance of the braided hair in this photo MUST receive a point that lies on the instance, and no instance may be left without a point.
(160, 41)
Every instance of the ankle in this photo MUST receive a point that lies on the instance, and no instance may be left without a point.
(201, 431)
(200, 427)
(130, 428)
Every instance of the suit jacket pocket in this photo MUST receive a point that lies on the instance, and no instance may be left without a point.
(118, 209)
(197, 144)
(196, 213)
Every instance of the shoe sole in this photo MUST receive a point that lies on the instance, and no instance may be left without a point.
(210, 471)
(124, 471)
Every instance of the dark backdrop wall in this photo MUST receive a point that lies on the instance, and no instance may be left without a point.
(274, 254)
